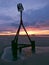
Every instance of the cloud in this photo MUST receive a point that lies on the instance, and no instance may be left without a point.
(5, 19)
(8, 19)
(7, 27)
(9, 7)
(42, 24)
(36, 13)
(38, 19)
(7, 3)
(33, 17)
(27, 3)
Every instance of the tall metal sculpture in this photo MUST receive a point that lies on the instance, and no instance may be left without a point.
(15, 41)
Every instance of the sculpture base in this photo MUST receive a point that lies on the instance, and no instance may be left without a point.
(7, 54)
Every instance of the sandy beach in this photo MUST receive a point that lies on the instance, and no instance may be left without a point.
(40, 59)
(34, 59)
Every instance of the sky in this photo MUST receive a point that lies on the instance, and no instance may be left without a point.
(35, 16)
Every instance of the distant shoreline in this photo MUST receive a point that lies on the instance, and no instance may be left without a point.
(29, 35)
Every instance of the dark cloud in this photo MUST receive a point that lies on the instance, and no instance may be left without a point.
(27, 3)
(7, 3)
(5, 17)
(37, 14)
(7, 20)
(7, 27)
(38, 18)
(41, 14)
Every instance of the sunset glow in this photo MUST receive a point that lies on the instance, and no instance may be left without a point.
(35, 17)
(30, 31)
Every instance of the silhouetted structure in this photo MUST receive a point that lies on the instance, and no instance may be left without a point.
(15, 45)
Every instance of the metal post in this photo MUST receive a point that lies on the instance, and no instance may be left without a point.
(33, 46)
(14, 49)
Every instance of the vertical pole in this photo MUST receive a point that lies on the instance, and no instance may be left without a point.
(20, 50)
(33, 46)
(14, 49)
(20, 17)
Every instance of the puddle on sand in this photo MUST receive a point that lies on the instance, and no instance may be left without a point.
(26, 52)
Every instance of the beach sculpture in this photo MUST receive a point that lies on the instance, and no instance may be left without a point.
(15, 45)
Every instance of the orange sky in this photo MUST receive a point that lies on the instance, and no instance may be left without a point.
(30, 31)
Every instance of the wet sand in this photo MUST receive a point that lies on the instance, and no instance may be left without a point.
(35, 59)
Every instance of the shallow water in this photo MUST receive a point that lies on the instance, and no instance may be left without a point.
(26, 52)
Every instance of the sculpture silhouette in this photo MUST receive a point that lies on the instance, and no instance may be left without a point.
(15, 41)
